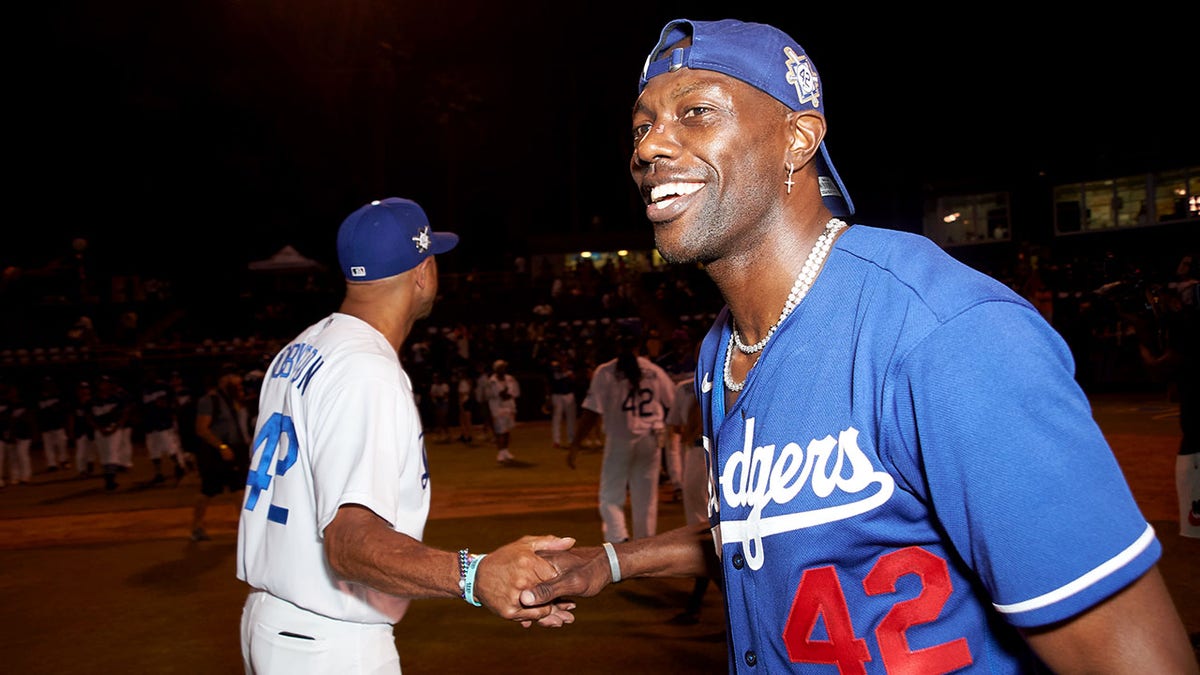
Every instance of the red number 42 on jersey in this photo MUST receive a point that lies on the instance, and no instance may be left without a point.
(819, 596)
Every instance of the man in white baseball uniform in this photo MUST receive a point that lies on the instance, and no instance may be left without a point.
(503, 390)
(338, 490)
(561, 390)
(631, 394)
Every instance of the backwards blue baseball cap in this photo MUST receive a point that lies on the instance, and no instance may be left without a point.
(387, 237)
(763, 57)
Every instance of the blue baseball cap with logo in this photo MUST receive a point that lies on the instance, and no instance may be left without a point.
(387, 237)
(763, 57)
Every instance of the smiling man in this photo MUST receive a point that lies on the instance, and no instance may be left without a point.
(904, 475)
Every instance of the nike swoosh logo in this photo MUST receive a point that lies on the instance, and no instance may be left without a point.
(706, 385)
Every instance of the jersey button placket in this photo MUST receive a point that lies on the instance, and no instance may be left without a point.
(750, 657)
(738, 561)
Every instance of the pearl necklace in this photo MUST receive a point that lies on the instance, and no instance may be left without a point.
(804, 282)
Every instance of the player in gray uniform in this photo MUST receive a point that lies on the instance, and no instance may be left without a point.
(338, 492)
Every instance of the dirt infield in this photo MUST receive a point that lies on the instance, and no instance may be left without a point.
(109, 582)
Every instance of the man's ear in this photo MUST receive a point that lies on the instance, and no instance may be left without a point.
(422, 272)
(806, 130)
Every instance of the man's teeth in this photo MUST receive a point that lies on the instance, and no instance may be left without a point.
(673, 190)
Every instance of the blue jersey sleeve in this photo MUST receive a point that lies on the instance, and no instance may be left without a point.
(1014, 465)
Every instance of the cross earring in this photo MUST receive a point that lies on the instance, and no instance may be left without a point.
(789, 182)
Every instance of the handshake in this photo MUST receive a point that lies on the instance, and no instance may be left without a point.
(531, 580)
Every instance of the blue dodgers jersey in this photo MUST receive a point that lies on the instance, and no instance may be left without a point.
(910, 472)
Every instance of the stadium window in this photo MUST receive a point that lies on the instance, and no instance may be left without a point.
(968, 219)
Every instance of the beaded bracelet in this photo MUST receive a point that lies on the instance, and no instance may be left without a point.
(469, 581)
(613, 566)
(464, 558)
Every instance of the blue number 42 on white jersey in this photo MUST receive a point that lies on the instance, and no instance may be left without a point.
(277, 431)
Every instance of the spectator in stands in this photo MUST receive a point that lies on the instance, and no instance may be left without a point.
(83, 333)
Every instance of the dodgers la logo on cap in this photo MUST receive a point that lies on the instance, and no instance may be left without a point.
(803, 77)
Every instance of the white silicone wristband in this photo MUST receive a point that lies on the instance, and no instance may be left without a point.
(613, 566)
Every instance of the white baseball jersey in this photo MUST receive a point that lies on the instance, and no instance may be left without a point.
(629, 414)
(337, 425)
(685, 396)
(506, 383)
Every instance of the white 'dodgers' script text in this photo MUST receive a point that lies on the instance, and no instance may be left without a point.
(755, 476)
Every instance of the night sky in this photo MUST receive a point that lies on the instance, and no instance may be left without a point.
(241, 126)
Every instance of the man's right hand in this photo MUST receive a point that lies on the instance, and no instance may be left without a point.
(582, 572)
(516, 566)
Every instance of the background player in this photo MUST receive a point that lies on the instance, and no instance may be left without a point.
(907, 477)
(338, 492)
(82, 431)
(109, 416)
(53, 410)
(160, 427)
(631, 394)
(560, 391)
(503, 390)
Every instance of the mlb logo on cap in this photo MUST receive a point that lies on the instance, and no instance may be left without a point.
(388, 237)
